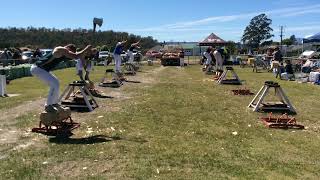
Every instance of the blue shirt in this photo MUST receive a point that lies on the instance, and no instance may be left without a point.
(118, 50)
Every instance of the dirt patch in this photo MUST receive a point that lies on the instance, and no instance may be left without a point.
(76, 169)
(12, 138)
(8, 115)
(149, 77)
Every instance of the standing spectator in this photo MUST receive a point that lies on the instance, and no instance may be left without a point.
(277, 55)
(16, 54)
(181, 55)
(5, 56)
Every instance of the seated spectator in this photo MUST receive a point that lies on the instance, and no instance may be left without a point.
(307, 66)
(37, 53)
(288, 74)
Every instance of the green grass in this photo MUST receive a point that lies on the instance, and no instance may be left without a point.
(179, 127)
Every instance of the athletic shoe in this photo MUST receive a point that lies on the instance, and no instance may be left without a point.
(51, 108)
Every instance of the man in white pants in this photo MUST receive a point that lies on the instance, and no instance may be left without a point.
(208, 64)
(219, 62)
(117, 56)
(42, 69)
(181, 55)
(85, 63)
(130, 51)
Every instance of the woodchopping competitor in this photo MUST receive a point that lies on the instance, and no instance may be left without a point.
(43, 67)
(130, 51)
(117, 56)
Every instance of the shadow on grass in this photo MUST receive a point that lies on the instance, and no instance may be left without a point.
(92, 140)
(135, 82)
(88, 140)
(105, 97)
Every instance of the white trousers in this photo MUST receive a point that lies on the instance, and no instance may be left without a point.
(49, 79)
(286, 76)
(131, 57)
(208, 56)
(79, 66)
(117, 59)
(181, 61)
(219, 60)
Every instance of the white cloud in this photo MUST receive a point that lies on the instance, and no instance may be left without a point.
(194, 25)
(191, 30)
(304, 28)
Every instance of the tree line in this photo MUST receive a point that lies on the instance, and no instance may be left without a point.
(49, 38)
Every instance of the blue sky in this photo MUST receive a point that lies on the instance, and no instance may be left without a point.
(166, 20)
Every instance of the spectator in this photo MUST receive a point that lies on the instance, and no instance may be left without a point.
(307, 66)
(37, 53)
(181, 55)
(16, 54)
(277, 55)
(4, 57)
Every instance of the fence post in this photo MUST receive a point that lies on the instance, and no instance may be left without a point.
(3, 84)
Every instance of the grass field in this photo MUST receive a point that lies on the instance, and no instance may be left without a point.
(176, 124)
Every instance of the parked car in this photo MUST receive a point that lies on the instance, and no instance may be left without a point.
(137, 56)
(27, 56)
(2, 55)
(46, 51)
(103, 54)
(124, 57)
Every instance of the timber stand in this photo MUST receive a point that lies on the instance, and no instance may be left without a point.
(114, 83)
(81, 99)
(242, 92)
(223, 78)
(62, 128)
(258, 104)
(282, 122)
(129, 69)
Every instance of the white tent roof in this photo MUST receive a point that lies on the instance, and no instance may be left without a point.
(312, 38)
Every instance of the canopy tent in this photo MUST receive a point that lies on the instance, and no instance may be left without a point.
(212, 40)
(312, 39)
